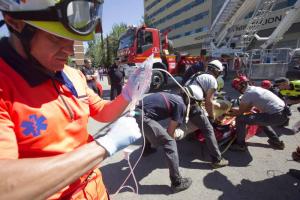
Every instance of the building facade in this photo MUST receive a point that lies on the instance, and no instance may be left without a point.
(189, 21)
(78, 57)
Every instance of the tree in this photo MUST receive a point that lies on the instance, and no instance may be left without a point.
(103, 51)
(114, 37)
(96, 52)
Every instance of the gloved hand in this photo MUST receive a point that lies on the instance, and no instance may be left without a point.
(179, 134)
(139, 82)
(122, 133)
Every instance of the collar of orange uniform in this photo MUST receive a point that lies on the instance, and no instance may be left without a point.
(23, 67)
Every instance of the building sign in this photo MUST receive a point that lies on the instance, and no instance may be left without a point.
(270, 22)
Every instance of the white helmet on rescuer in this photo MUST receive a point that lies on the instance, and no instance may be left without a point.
(215, 67)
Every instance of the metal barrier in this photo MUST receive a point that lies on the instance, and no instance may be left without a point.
(268, 63)
(267, 71)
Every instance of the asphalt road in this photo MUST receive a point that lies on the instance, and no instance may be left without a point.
(260, 174)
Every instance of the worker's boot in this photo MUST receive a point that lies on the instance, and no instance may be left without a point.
(179, 184)
(276, 144)
(220, 163)
(296, 155)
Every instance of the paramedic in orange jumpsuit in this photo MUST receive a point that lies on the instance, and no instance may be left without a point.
(45, 149)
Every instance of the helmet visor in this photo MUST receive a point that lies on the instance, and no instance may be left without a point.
(83, 16)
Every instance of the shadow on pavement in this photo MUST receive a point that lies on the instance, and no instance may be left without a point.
(278, 130)
(192, 155)
(114, 174)
(259, 145)
(284, 131)
(191, 150)
(275, 187)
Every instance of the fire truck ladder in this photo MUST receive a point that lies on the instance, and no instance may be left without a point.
(223, 18)
(290, 17)
(228, 32)
(262, 11)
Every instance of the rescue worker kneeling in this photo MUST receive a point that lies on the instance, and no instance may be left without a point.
(272, 109)
(202, 87)
(163, 112)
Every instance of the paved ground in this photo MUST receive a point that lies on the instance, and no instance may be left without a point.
(260, 174)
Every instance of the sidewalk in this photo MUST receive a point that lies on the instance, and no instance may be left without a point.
(259, 174)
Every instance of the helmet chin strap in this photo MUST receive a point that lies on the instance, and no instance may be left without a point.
(26, 36)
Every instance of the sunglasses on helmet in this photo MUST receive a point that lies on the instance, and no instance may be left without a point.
(78, 16)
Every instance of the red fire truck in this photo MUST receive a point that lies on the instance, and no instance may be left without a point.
(138, 43)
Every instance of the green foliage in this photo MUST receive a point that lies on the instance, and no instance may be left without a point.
(103, 51)
(70, 61)
(96, 52)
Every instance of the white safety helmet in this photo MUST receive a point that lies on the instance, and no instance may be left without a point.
(71, 19)
(216, 65)
(195, 92)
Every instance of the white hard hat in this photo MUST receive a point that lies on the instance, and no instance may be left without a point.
(216, 65)
(195, 92)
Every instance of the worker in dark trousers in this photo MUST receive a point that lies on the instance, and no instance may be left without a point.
(115, 80)
(163, 113)
(201, 87)
(272, 112)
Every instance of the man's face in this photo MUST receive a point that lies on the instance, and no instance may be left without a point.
(284, 86)
(88, 64)
(50, 50)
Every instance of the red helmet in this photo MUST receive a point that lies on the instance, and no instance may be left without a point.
(239, 81)
(266, 84)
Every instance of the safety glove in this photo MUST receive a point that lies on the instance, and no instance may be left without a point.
(119, 135)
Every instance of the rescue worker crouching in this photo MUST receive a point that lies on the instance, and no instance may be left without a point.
(202, 87)
(45, 105)
(272, 112)
(163, 113)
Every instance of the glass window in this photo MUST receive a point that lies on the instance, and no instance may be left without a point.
(127, 40)
(198, 30)
(145, 41)
(175, 13)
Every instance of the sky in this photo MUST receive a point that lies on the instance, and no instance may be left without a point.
(115, 12)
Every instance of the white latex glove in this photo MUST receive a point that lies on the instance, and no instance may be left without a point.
(179, 134)
(139, 82)
(120, 134)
